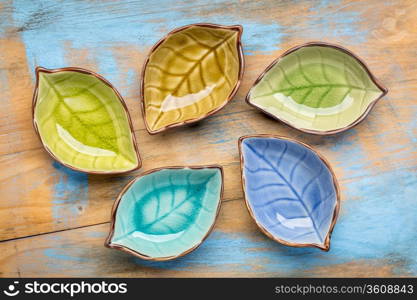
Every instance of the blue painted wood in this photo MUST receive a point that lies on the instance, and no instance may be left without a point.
(377, 160)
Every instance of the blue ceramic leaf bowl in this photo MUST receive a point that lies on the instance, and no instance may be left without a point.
(167, 212)
(290, 190)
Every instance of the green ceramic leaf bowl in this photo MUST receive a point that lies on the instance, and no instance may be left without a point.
(317, 88)
(83, 122)
(167, 212)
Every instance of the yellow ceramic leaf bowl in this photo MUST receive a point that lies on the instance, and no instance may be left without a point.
(190, 74)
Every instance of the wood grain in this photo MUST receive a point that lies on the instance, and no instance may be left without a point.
(53, 220)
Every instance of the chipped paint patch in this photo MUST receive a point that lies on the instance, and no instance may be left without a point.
(341, 21)
(46, 28)
(70, 193)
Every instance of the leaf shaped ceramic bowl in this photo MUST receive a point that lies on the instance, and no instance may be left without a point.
(190, 74)
(167, 212)
(83, 122)
(290, 190)
(317, 88)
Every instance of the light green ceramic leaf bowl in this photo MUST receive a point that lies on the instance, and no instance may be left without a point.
(83, 122)
(166, 213)
(317, 88)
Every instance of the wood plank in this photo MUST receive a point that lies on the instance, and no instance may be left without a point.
(61, 208)
(375, 161)
(372, 238)
(42, 196)
(18, 60)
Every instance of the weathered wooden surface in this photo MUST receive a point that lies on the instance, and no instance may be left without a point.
(53, 221)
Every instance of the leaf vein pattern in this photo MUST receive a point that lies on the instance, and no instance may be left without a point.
(266, 185)
(300, 160)
(334, 85)
(197, 63)
(174, 208)
(300, 66)
(87, 126)
(276, 200)
(296, 194)
(323, 66)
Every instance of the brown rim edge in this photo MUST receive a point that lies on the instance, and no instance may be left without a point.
(383, 89)
(237, 28)
(108, 243)
(326, 245)
(88, 72)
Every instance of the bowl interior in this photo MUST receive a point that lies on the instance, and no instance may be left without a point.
(317, 88)
(83, 123)
(190, 74)
(168, 212)
(289, 190)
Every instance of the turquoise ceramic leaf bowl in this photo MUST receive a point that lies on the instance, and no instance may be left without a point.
(167, 212)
